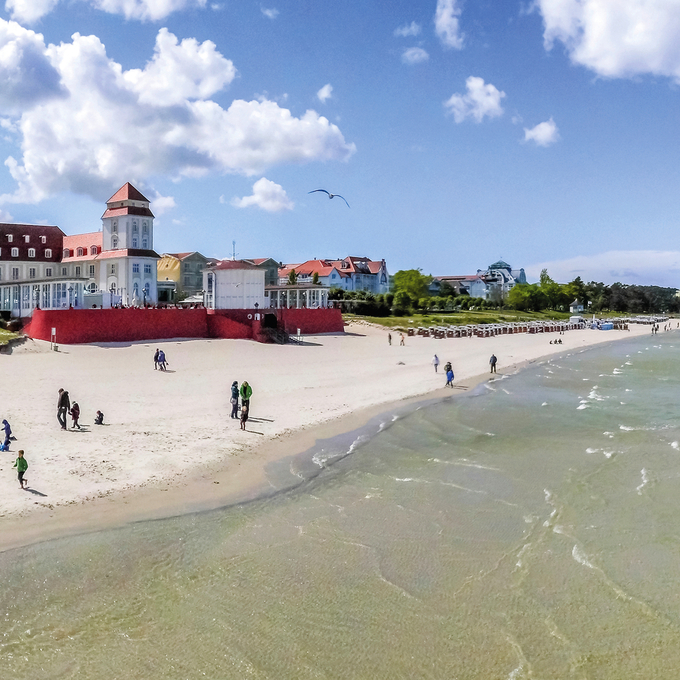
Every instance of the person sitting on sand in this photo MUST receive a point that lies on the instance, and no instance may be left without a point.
(99, 418)
(244, 416)
(75, 414)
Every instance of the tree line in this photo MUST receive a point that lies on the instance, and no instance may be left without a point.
(411, 293)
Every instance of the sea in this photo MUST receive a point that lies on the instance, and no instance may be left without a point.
(526, 528)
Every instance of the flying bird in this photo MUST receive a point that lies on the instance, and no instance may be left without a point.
(330, 195)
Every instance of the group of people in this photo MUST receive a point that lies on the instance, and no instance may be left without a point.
(401, 339)
(20, 463)
(65, 406)
(448, 370)
(245, 392)
(160, 363)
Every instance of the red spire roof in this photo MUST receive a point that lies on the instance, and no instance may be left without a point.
(127, 193)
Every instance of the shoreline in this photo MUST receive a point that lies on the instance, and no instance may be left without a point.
(241, 477)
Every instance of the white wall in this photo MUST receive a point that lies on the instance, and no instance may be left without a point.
(237, 288)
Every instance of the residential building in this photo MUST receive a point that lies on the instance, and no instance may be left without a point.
(185, 269)
(270, 266)
(351, 273)
(234, 284)
(494, 282)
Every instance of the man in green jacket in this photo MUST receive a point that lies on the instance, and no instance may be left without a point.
(21, 465)
(246, 393)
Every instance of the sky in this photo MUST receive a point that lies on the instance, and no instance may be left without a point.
(544, 133)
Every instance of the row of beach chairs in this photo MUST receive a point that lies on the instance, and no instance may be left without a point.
(490, 330)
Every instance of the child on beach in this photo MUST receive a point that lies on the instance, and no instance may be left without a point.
(75, 414)
(99, 419)
(244, 416)
(21, 465)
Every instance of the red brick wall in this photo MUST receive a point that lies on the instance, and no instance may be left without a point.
(311, 321)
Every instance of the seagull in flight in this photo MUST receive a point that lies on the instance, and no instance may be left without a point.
(330, 195)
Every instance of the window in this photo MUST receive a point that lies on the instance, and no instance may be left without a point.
(134, 241)
(147, 269)
(114, 228)
(187, 267)
(145, 228)
(48, 252)
(67, 253)
(48, 272)
(134, 226)
(43, 239)
(31, 273)
(10, 238)
(78, 271)
(145, 244)
(93, 250)
(113, 269)
(31, 252)
(114, 242)
(27, 238)
(15, 252)
(186, 280)
(15, 273)
(91, 270)
(92, 287)
(64, 271)
(0, 273)
(135, 268)
(80, 252)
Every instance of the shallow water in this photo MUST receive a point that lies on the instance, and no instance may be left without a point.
(529, 530)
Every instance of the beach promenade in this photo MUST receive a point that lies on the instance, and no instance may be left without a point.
(169, 446)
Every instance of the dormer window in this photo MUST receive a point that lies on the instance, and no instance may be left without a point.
(10, 238)
(43, 239)
(67, 253)
(80, 252)
(93, 250)
(27, 238)
(31, 252)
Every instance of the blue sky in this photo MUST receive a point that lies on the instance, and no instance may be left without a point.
(544, 133)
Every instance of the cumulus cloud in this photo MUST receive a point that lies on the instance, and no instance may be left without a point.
(270, 13)
(480, 100)
(446, 24)
(104, 126)
(641, 267)
(161, 204)
(544, 134)
(408, 30)
(414, 55)
(326, 92)
(29, 11)
(616, 38)
(267, 195)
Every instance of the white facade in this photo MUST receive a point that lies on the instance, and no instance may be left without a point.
(234, 287)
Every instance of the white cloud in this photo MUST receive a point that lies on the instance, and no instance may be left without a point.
(544, 134)
(446, 23)
(408, 30)
(414, 55)
(641, 267)
(29, 11)
(270, 13)
(5, 216)
(105, 126)
(161, 204)
(326, 92)
(267, 195)
(480, 100)
(616, 38)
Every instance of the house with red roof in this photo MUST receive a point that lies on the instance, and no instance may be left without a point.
(350, 273)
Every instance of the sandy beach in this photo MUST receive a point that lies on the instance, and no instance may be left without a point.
(169, 446)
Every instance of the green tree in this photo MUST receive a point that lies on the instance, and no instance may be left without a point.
(413, 282)
(402, 303)
(292, 277)
(315, 278)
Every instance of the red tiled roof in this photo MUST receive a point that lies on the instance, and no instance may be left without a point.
(234, 264)
(127, 193)
(127, 210)
(84, 241)
(374, 267)
(126, 252)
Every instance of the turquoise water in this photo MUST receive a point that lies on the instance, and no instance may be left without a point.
(526, 530)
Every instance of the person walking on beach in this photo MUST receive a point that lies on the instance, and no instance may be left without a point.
(449, 378)
(75, 414)
(246, 393)
(435, 363)
(401, 340)
(234, 399)
(21, 464)
(63, 406)
(447, 367)
(389, 338)
(161, 360)
(155, 359)
(492, 363)
(244, 415)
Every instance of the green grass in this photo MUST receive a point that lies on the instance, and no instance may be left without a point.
(6, 336)
(461, 318)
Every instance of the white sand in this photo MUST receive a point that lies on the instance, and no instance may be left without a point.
(166, 429)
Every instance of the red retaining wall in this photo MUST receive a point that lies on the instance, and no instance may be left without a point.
(77, 326)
